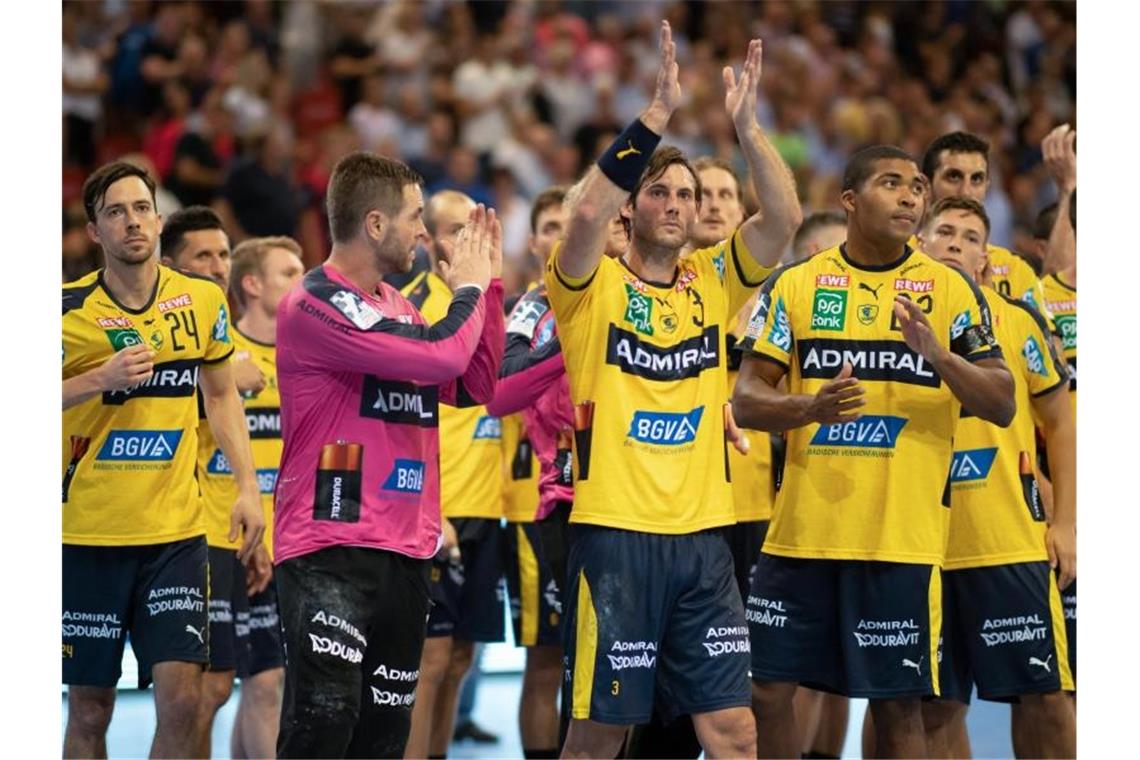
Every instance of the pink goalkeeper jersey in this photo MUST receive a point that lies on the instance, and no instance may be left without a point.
(361, 376)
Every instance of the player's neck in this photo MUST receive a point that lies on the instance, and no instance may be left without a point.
(652, 263)
(863, 251)
(256, 324)
(132, 285)
(1068, 276)
(355, 265)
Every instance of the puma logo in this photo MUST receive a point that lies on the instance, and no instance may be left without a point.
(912, 664)
(630, 151)
(872, 291)
(1044, 663)
(196, 632)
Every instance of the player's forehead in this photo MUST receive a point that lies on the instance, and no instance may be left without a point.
(198, 242)
(126, 191)
(714, 178)
(959, 219)
(277, 259)
(413, 198)
(903, 168)
(675, 177)
(967, 162)
(451, 209)
(555, 213)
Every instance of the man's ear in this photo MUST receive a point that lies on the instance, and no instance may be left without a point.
(376, 224)
(847, 200)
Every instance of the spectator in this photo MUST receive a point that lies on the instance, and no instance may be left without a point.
(84, 81)
(463, 175)
(260, 197)
(373, 121)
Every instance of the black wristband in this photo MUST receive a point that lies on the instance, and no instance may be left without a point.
(628, 155)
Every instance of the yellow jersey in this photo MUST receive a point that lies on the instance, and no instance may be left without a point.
(996, 514)
(129, 456)
(520, 472)
(753, 485)
(1061, 298)
(648, 379)
(216, 481)
(874, 488)
(470, 440)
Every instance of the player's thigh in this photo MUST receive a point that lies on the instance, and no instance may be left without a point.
(229, 613)
(266, 649)
(483, 593)
(97, 588)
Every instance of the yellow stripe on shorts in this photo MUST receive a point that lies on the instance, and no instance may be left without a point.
(934, 602)
(528, 589)
(1060, 636)
(585, 651)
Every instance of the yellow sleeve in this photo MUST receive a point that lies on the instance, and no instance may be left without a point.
(219, 342)
(769, 330)
(1036, 357)
(738, 271)
(569, 296)
(971, 325)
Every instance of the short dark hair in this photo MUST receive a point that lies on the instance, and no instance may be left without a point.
(96, 186)
(1043, 224)
(182, 221)
(361, 182)
(551, 196)
(955, 142)
(968, 205)
(715, 162)
(861, 166)
(815, 221)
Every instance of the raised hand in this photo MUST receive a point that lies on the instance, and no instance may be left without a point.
(916, 330)
(740, 95)
(1058, 150)
(469, 260)
(668, 91)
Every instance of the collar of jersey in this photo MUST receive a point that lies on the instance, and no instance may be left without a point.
(1062, 283)
(665, 285)
(255, 341)
(124, 307)
(907, 251)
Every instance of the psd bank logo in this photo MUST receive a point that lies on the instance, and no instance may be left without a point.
(140, 446)
(665, 428)
(869, 431)
(972, 465)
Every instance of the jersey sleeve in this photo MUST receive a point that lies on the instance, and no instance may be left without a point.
(532, 359)
(219, 341)
(477, 383)
(325, 338)
(569, 296)
(1037, 358)
(769, 330)
(1028, 288)
(971, 322)
(737, 270)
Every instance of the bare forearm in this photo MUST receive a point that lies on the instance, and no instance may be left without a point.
(986, 391)
(758, 406)
(1061, 250)
(80, 388)
(770, 230)
(227, 421)
(1061, 447)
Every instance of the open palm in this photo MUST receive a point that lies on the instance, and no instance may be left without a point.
(740, 95)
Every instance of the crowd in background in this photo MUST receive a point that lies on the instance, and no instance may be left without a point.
(246, 106)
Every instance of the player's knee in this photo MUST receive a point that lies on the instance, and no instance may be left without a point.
(938, 714)
(90, 713)
(586, 738)
(892, 712)
(735, 731)
(770, 697)
(216, 690)
(180, 711)
(462, 655)
(263, 691)
(434, 663)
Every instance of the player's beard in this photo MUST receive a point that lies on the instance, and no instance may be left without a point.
(391, 256)
(130, 256)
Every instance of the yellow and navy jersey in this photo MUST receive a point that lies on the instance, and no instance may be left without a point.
(874, 488)
(129, 456)
(520, 471)
(1061, 298)
(263, 420)
(753, 486)
(996, 515)
(470, 440)
(648, 379)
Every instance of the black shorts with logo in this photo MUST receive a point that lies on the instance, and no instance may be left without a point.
(353, 624)
(1069, 601)
(468, 596)
(266, 651)
(1003, 630)
(535, 593)
(156, 593)
(859, 628)
(652, 618)
(229, 613)
(745, 539)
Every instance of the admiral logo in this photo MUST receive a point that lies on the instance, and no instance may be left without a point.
(263, 423)
(914, 286)
(174, 303)
(686, 359)
(403, 403)
(665, 428)
(832, 280)
(114, 322)
(869, 431)
(645, 657)
(395, 674)
(1034, 359)
(896, 633)
(889, 360)
(140, 446)
(972, 465)
(407, 476)
(488, 428)
(1013, 630)
(169, 380)
(362, 314)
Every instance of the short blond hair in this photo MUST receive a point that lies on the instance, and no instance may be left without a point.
(249, 258)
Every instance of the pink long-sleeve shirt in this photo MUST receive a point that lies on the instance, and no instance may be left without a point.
(361, 376)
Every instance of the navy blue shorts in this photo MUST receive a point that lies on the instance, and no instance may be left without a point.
(229, 613)
(468, 597)
(1003, 630)
(535, 593)
(858, 628)
(266, 651)
(745, 539)
(157, 593)
(1069, 601)
(652, 617)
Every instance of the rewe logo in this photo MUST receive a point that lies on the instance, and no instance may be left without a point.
(665, 428)
(974, 464)
(914, 286)
(140, 446)
(1042, 663)
(831, 280)
(871, 431)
